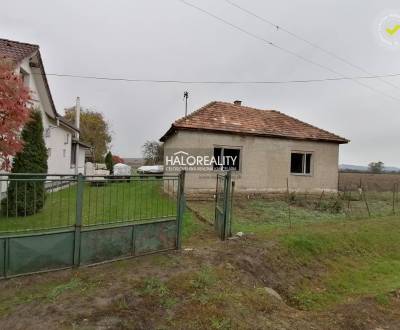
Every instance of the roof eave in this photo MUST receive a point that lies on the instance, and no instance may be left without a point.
(175, 128)
(46, 83)
(170, 132)
(83, 144)
(67, 124)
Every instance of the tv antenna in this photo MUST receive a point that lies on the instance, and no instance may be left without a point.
(185, 97)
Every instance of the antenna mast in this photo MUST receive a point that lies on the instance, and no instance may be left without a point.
(186, 96)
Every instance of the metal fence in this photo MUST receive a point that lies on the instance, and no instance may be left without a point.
(56, 221)
(223, 205)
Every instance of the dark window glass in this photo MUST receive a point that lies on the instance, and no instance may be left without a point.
(296, 163)
(73, 154)
(217, 156)
(308, 164)
(230, 157)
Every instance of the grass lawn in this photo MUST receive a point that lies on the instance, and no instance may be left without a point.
(335, 272)
(104, 204)
(358, 258)
(261, 214)
(352, 255)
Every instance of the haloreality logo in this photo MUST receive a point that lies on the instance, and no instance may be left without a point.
(198, 160)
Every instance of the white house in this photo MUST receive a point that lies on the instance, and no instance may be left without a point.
(66, 154)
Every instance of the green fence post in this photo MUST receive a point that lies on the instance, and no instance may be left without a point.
(78, 221)
(231, 209)
(227, 201)
(180, 208)
(6, 260)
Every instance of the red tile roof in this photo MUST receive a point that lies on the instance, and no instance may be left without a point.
(226, 117)
(15, 50)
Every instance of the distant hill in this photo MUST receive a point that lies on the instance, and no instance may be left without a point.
(134, 162)
(361, 168)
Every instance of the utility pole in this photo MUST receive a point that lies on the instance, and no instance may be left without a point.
(186, 96)
(77, 124)
(78, 115)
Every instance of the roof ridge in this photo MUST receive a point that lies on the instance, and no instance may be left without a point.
(18, 51)
(195, 112)
(19, 42)
(310, 125)
(245, 106)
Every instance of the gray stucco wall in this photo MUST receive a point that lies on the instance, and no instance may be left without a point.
(265, 162)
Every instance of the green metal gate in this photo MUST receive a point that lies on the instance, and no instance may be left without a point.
(86, 220)
(223, 205)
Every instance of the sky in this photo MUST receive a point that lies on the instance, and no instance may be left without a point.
(169, 40)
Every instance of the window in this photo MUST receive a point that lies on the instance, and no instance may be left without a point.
(300, 163)
(66, 138)
(227, 159)
(48, 152)
(48, 132)
(64, 153)
(73, 154)
(25, 77)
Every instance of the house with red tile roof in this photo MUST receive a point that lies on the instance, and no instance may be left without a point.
(66, 154)
(264, 149)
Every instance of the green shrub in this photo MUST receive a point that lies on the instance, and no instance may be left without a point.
(332, 205)
(26, 197)
(109, 162)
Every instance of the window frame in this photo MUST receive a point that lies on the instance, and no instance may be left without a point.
(74, 150)
(25, 76)
(304, 163)
(222, 147)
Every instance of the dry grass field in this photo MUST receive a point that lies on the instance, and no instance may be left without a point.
(369, 181)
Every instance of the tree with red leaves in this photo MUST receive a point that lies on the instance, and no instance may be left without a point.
(14, 112)
(117, 159)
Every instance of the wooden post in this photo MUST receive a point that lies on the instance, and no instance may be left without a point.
(394, 198)
(366, 202)
(288, 202)
(227, 204)
(320, 199)
(348, 201)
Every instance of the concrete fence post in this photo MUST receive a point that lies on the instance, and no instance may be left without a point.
(78, 221)
(180, 208)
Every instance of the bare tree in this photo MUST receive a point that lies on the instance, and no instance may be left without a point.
(153, 152)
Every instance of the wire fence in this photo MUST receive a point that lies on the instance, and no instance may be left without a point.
(34, 202)
(293, 208)
(353, 202)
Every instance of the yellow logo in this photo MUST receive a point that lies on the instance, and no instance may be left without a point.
(394, 30)
(389, 30)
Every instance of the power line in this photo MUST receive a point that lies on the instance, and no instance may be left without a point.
(270, 43)
(219, 82)
(310, 43)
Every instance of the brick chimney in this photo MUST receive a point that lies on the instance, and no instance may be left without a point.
(237, 102)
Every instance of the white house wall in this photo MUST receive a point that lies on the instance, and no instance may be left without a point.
(57, 142)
